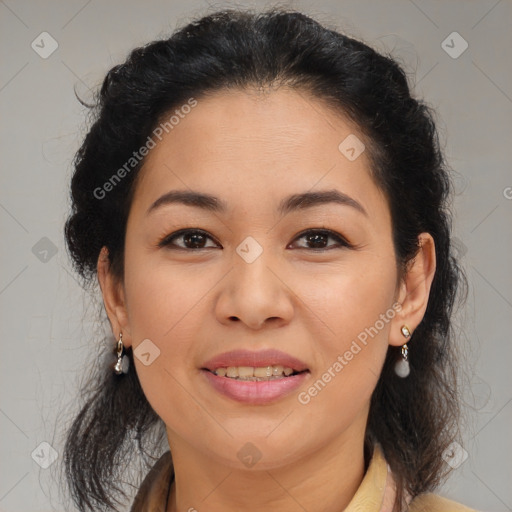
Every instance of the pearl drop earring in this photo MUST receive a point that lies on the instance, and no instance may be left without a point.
(402, 368)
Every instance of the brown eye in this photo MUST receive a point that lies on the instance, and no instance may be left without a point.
(190, 239)
(317, 239)
(195, 239)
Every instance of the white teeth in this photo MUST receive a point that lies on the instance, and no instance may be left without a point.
(232, 371)
(251, 373)
(262, 371)
(245, 371)
(277, 370)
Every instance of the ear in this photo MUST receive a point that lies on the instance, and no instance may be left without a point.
(113, 299)
(414, 290)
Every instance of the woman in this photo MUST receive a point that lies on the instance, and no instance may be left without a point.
(264, 206)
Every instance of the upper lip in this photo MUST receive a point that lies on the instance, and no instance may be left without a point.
(257, 359)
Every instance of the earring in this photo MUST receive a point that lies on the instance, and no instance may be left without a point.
(123, 363)
(402, 368)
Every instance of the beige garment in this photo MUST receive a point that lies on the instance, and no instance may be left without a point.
(375, 494)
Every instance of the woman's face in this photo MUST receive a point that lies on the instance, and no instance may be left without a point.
(255, 279)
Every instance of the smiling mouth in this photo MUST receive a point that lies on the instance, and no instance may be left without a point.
(255, 374)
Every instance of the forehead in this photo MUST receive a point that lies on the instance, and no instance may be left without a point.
(241, 143)
(260, 122)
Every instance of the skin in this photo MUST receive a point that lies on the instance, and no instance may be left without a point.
(251, 149)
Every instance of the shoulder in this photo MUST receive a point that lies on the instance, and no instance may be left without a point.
(433, 503)
(152, 494)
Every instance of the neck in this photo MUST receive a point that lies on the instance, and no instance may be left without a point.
(323, 481)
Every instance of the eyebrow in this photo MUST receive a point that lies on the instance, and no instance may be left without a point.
(289, 204)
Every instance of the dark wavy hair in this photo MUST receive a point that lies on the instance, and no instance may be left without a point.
(413, 419)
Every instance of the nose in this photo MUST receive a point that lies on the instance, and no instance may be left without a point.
(255, 294)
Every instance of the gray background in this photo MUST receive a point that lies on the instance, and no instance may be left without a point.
(47, 320)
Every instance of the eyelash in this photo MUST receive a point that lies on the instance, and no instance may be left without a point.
(167, 240)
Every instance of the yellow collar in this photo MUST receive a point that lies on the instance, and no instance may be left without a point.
(376, 493)
(373, 495)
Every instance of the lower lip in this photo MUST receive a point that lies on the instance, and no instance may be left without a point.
(255, 392)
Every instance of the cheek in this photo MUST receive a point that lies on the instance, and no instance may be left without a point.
(159, 295)
(353, 313)
(350, 300)
(162, 307)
